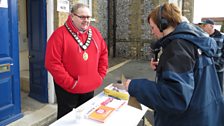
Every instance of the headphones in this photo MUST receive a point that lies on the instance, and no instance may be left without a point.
(162, 22)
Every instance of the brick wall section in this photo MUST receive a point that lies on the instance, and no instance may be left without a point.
(100, 13)
(188, 9)
(122, 16)
(132, 32)
(147, 7)
(136, 20)
(133, 38)
(124, 47)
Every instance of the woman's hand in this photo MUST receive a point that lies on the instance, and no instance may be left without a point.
(126, 84)
(153, 64)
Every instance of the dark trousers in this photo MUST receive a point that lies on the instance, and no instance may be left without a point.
(67, 101)
(220, 76)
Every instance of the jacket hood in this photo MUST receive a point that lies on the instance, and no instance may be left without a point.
(193, 34)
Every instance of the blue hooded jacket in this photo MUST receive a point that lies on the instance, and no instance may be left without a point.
(187, 91)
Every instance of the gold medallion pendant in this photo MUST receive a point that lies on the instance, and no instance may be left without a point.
(85, 56)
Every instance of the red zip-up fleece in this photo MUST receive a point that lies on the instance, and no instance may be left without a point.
(64, 59)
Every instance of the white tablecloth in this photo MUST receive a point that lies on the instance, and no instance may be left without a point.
(124, 116)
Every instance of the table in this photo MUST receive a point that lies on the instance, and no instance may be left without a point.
(124, 116)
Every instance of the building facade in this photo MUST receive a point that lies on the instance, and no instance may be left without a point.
(27, 25)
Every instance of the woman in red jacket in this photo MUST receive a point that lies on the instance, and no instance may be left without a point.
(77, 58)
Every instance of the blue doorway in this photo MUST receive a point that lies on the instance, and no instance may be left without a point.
(10, 104)
(37, 38)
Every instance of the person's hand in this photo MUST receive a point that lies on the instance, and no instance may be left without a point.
(119, 86)
(153, 64)
(126, 84)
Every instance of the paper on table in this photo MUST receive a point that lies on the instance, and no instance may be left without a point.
(113, 103)
(101, 113)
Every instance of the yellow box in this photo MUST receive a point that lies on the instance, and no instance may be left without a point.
(110, 90)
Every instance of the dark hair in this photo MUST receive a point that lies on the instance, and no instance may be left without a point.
(169, 12)
(77, 6)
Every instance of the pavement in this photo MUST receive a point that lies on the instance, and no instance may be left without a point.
(45, 114)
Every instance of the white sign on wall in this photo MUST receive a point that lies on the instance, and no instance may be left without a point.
(4, 3)
(63, 6)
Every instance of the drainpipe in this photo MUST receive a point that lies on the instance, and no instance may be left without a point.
(183, 7)
(108, 26)
(50, 29)
(114, 28)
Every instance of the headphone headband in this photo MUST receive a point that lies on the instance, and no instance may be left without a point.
(162, 22)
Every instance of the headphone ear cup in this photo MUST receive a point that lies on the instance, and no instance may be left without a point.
(163, 24)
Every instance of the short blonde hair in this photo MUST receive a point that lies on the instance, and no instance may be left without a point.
(170, 12)
(77, 6)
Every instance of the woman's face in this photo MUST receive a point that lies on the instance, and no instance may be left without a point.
(155, 30)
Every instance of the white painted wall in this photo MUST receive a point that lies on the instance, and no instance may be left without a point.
(24, 61)
(50, 30)
(23, 41)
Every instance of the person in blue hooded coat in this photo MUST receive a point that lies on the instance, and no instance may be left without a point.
(186, 91)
